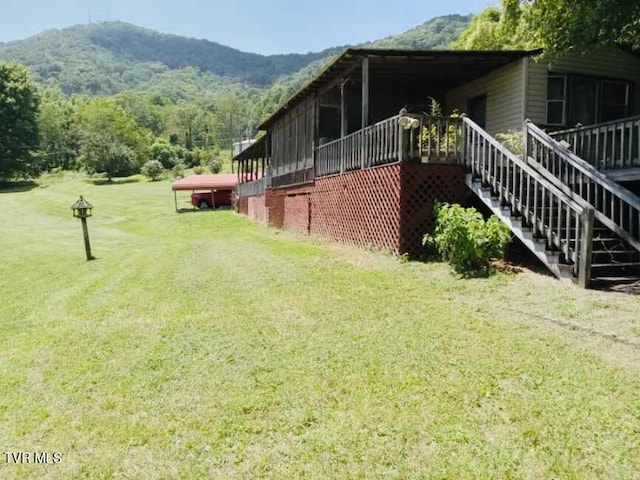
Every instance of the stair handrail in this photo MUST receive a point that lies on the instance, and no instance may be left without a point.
(608, 145)
(597, 126)
(563, 164)
(578, 215)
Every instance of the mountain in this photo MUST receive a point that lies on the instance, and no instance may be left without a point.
(111, 57)
(436, 34)
(106, 58)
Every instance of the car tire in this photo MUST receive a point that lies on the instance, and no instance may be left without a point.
(202, 204)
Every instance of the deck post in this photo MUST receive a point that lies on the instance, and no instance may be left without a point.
(400, 135)
(525, 141)
(586, 248)
(344, 127)
(365, 92)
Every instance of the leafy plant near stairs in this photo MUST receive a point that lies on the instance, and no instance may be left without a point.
(466, 241)
(439, 135)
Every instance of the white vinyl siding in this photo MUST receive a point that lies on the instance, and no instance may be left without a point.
(504, 90)
(611, 63)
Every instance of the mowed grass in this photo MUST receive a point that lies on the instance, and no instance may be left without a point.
(201, 345)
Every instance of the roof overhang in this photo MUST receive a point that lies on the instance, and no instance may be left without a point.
(453, 66)
(256, 150)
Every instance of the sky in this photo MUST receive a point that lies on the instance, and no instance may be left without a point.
(266, 27)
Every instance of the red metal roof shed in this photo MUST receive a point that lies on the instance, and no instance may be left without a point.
(219, 181)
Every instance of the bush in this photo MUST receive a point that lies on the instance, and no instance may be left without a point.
(215, 165)
(199, 170)
(466, 241)
(152, 169)
(167, 154)
(513, 140)
(178, 170)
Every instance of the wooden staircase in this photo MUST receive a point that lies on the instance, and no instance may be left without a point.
(616, 234)
(555, 225)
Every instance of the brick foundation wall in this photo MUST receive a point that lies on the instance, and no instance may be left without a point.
(390, 207)
(256, 209)
(242, 205)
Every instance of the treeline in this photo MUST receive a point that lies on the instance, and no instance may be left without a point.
(41, 129)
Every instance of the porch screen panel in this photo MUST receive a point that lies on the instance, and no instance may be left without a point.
(292, 140)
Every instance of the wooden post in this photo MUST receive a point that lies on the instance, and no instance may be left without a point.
(85, 233)
(400, 136)
(365, 92)
(525, 141)
(344, 127)
(175, 199)
(586, 248)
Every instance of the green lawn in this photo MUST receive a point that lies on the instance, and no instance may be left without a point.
(201, 345)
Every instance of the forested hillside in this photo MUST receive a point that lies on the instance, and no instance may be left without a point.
(111, 57)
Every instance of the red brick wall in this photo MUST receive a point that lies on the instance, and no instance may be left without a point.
(390, 207)
(243, 205)
(256, 209)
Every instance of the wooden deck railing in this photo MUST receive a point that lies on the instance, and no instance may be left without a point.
(440, 139)
(374, 145)
(251, 189)
(564, 222)
(615, 206)
(606, 146)
(396, 139)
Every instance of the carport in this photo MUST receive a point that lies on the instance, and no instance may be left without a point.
(208, 183)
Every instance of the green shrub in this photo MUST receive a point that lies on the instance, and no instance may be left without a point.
(199, 170)
(513, 140)
(178, 170)
(152, 169)
(466, 241)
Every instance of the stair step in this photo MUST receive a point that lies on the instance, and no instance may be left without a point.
(615, 265)
(616, 252)
(627, 279)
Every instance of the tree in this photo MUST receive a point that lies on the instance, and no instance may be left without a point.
(166, 153)
(562, 26)
(58, 138)
(101, 152)
(18, 121)
(558, 26)
(497, 29)
(110, 140)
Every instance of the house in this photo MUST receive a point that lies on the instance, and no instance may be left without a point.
(358, 155)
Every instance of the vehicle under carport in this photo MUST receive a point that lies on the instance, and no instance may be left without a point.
(209, 191)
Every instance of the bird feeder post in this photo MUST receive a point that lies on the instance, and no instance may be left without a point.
(82, 209)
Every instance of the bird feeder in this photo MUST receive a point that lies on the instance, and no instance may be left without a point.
(82, 209)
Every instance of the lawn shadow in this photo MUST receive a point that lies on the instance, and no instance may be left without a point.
(202, 210)
(104, 181)
(19, 186)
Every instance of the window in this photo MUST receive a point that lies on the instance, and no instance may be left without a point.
(573, 100)
(556, 100)
(614, 101)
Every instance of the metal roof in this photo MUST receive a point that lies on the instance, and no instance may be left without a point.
(255, 150)
(222, 181)
(457, 66)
